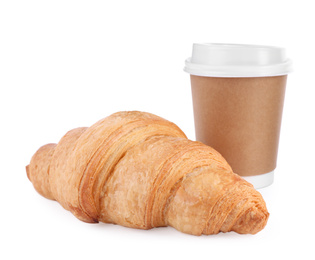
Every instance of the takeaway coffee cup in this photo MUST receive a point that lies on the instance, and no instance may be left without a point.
(238, 93)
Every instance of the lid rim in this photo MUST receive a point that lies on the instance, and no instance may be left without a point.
(237, 60)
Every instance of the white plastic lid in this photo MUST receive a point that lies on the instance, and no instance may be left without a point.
(237, 60)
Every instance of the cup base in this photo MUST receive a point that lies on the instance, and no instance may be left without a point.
(260, 181)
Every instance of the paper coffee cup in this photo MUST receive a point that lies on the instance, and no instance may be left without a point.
(238, 93)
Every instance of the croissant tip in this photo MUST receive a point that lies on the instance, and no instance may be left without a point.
(27, 168)
(255, 219)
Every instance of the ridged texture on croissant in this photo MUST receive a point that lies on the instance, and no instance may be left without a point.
(139, 170)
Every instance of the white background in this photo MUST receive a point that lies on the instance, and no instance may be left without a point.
(65, 64)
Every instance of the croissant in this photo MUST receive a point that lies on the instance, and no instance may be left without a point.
(139, 170)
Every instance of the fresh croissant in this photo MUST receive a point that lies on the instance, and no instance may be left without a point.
(139, 170)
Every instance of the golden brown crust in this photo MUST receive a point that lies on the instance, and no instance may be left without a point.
(180, 183)
(38, 170)
(139, 170)
(99, 149)
(58, 175)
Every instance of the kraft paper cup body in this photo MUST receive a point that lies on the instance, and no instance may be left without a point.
(238, 94)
